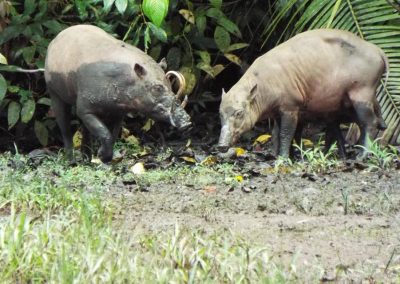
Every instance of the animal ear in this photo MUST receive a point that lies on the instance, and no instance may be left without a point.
(140, 71)
(253, 93)
(223, 92)
(163, 64)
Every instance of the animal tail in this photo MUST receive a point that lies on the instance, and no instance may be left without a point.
(386, 61)
(381, 122)
(29, 70)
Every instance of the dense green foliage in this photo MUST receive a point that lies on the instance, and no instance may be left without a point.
(199, 39)
(210, 42)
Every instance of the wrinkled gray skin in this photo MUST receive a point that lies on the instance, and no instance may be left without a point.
(105, 78)
(319, 75)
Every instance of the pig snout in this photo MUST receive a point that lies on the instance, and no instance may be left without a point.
(169, 110)
(225, 139)
(179, 118)
(181, 124)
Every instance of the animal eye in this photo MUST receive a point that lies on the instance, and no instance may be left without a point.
(238, 113)
(159, 108)
(158, 88)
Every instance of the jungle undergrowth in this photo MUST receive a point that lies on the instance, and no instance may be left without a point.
(378, 156)
(56, 226)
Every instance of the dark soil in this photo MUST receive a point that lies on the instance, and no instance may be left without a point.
(341, 225)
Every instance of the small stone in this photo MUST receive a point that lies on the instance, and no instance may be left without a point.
(246, 189)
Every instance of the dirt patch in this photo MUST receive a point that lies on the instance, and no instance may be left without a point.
(338, 226)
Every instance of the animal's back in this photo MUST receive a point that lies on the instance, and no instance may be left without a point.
(85, 44)
(318, 67)
(80, 46)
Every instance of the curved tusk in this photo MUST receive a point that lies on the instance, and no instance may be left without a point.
(184, 102)
(181, 80)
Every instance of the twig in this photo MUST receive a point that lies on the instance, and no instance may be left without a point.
(390, 260)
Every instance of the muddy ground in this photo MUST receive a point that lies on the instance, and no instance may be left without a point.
(337, 226)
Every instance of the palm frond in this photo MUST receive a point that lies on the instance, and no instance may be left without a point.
(376, 21)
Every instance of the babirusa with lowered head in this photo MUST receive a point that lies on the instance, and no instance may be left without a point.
(322, 75)
(106, 78)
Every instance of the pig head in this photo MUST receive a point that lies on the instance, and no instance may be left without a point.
(154, 97)
(238, 113)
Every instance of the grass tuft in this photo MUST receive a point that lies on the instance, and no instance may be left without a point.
(57, 227)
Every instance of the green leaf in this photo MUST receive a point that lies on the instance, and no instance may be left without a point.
(156, 10)
(3, 88)
(37, 31)
(147, 38)
(28, 53)
(67, 8)
(201, 24)
(121, 5)
(212, 71)
(215, 13)
(11, 32)
(24, 95)
(174, 56)
(81, 6)
(3, 59)
(236, 46)
(223, 21)
(155, 52)
(334, 13)
(41, 133)
(218, 69)
(108, 4)
(13, 89)
(44, 101)
(206, 68)
(190, 79)
(233, 58)
(14, 109)
(27, 111)
(158, 32)
(29, 7)
(54, 26)
(222, 38)
(230, 26)
(42, 9)
(205, 57)
(9, 68)
(137, 35)
(188, 15)
(216, 3)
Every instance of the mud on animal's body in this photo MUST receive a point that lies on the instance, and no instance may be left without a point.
(324, 74)
(105, 78)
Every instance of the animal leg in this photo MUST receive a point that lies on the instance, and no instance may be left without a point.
(333, 133)
(115, 126)
(86, 147)
(367, 120)
(275, 137)
(62, 111)
(288, 127)
(99, 130)
(377, 109)
(297, 138)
